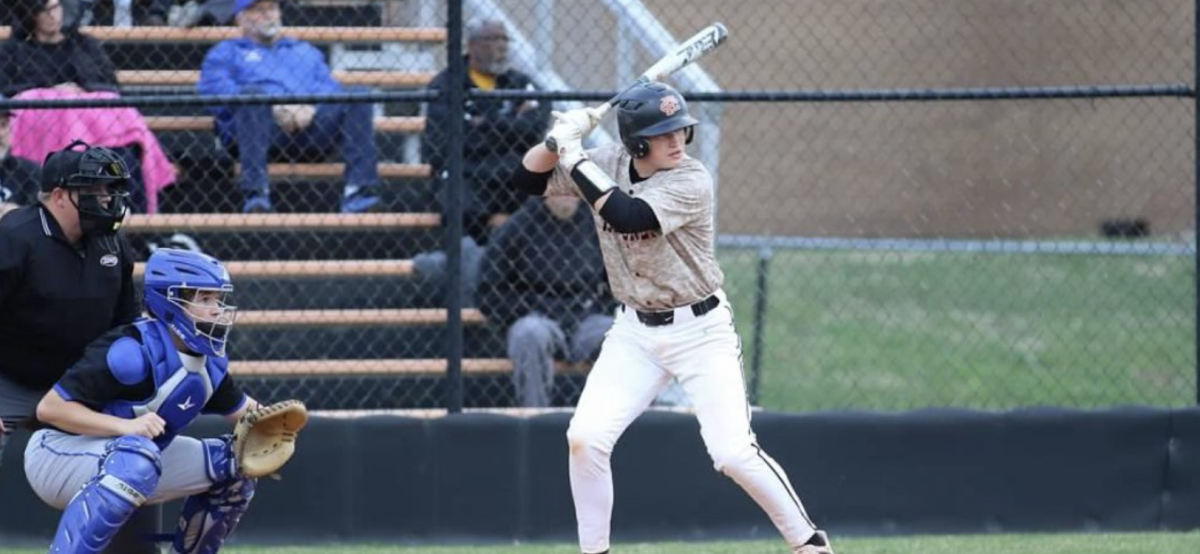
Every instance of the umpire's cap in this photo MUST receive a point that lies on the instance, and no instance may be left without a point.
(647, 110)
(91, 166)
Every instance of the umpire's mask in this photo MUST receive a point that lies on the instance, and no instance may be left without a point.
(99, 179)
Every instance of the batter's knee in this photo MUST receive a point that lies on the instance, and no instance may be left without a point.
(583, 441)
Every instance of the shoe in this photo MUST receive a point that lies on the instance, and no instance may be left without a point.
(361, 202)
(818, 544)
(257, 204)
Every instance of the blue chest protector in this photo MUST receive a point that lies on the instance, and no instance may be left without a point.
(179, 393)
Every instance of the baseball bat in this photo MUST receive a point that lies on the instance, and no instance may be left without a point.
(688, 51)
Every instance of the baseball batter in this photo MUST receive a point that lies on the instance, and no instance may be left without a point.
(654, 216)
(114, 418)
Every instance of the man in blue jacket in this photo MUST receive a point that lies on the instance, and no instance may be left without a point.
(263, 62)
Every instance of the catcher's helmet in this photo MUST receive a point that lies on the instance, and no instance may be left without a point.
(651, 109)
(84, 170)
(172, 279)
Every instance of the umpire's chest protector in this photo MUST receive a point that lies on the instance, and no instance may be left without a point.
(180, 393)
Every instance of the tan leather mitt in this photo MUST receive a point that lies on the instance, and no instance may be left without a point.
(265, 438)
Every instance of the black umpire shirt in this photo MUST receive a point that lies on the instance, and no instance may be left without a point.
(56, 298)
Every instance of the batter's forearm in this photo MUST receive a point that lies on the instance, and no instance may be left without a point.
(539, 159)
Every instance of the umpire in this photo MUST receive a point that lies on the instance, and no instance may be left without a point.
(66, 275)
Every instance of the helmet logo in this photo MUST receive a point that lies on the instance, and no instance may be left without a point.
(108, 260)
(669, 105)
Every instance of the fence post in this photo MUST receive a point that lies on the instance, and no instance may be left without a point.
(454, 182)
(760, 318)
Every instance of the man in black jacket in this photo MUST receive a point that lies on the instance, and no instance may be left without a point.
(543, 279)
(497, 132)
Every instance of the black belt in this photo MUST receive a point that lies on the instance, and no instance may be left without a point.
(658, 319)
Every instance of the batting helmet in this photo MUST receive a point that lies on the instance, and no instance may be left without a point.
(173, 278)
(651, 109)
(93, 166)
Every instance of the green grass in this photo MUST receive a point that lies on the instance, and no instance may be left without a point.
(896, 330)
(1128, 543)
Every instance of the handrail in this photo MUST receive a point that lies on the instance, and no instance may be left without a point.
(231, 223)
(250, 269)
(358, 35)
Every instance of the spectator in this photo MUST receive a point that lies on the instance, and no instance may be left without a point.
(263, 62)
(18, 177)
(542, 278)
(497, 132)
(44, 60)
(66, 275)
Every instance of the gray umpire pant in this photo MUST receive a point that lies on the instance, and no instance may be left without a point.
(17, 406)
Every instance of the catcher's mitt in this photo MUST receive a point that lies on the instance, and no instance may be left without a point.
(265, 437)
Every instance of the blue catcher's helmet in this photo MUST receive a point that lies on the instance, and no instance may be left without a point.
(189, 292)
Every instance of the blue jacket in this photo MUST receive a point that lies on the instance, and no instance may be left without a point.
(243, 66)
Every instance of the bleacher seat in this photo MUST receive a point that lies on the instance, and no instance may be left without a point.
(331, 310)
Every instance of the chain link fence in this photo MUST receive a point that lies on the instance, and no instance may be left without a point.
(981, 203)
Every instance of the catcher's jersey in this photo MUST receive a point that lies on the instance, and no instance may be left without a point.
(664, 269)
(135, 369)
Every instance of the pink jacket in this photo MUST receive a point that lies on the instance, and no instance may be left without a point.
(36, 133)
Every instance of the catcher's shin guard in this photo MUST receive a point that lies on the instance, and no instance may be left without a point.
(129, 474)
(209, 517)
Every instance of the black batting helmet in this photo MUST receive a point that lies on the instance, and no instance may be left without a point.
(651, 109)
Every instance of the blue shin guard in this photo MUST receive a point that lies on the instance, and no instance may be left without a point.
(129, 474)
(208, 518)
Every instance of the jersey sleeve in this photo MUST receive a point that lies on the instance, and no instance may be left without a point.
(684, 195)
(90, 381)
(227, 399)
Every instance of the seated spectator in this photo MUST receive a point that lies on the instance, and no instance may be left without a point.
(43, 60)
(20, 179)
(543, 279)
(263, 62)
(497, 132)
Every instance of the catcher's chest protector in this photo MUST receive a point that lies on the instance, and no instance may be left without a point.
(180, 393)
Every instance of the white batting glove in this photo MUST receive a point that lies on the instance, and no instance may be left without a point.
(570, 155)
(584, 119)
(564, 138)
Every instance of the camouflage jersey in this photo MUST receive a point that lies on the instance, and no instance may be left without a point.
(666, 268)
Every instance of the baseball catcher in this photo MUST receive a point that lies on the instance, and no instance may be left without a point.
(111, 439)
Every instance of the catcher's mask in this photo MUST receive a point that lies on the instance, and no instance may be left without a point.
(174, 282)
(100, 180)
(648, 110)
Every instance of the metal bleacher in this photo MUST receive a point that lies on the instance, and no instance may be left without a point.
(331, 309)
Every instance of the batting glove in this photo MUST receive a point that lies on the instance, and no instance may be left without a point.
(584, 119)
(565, 140)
